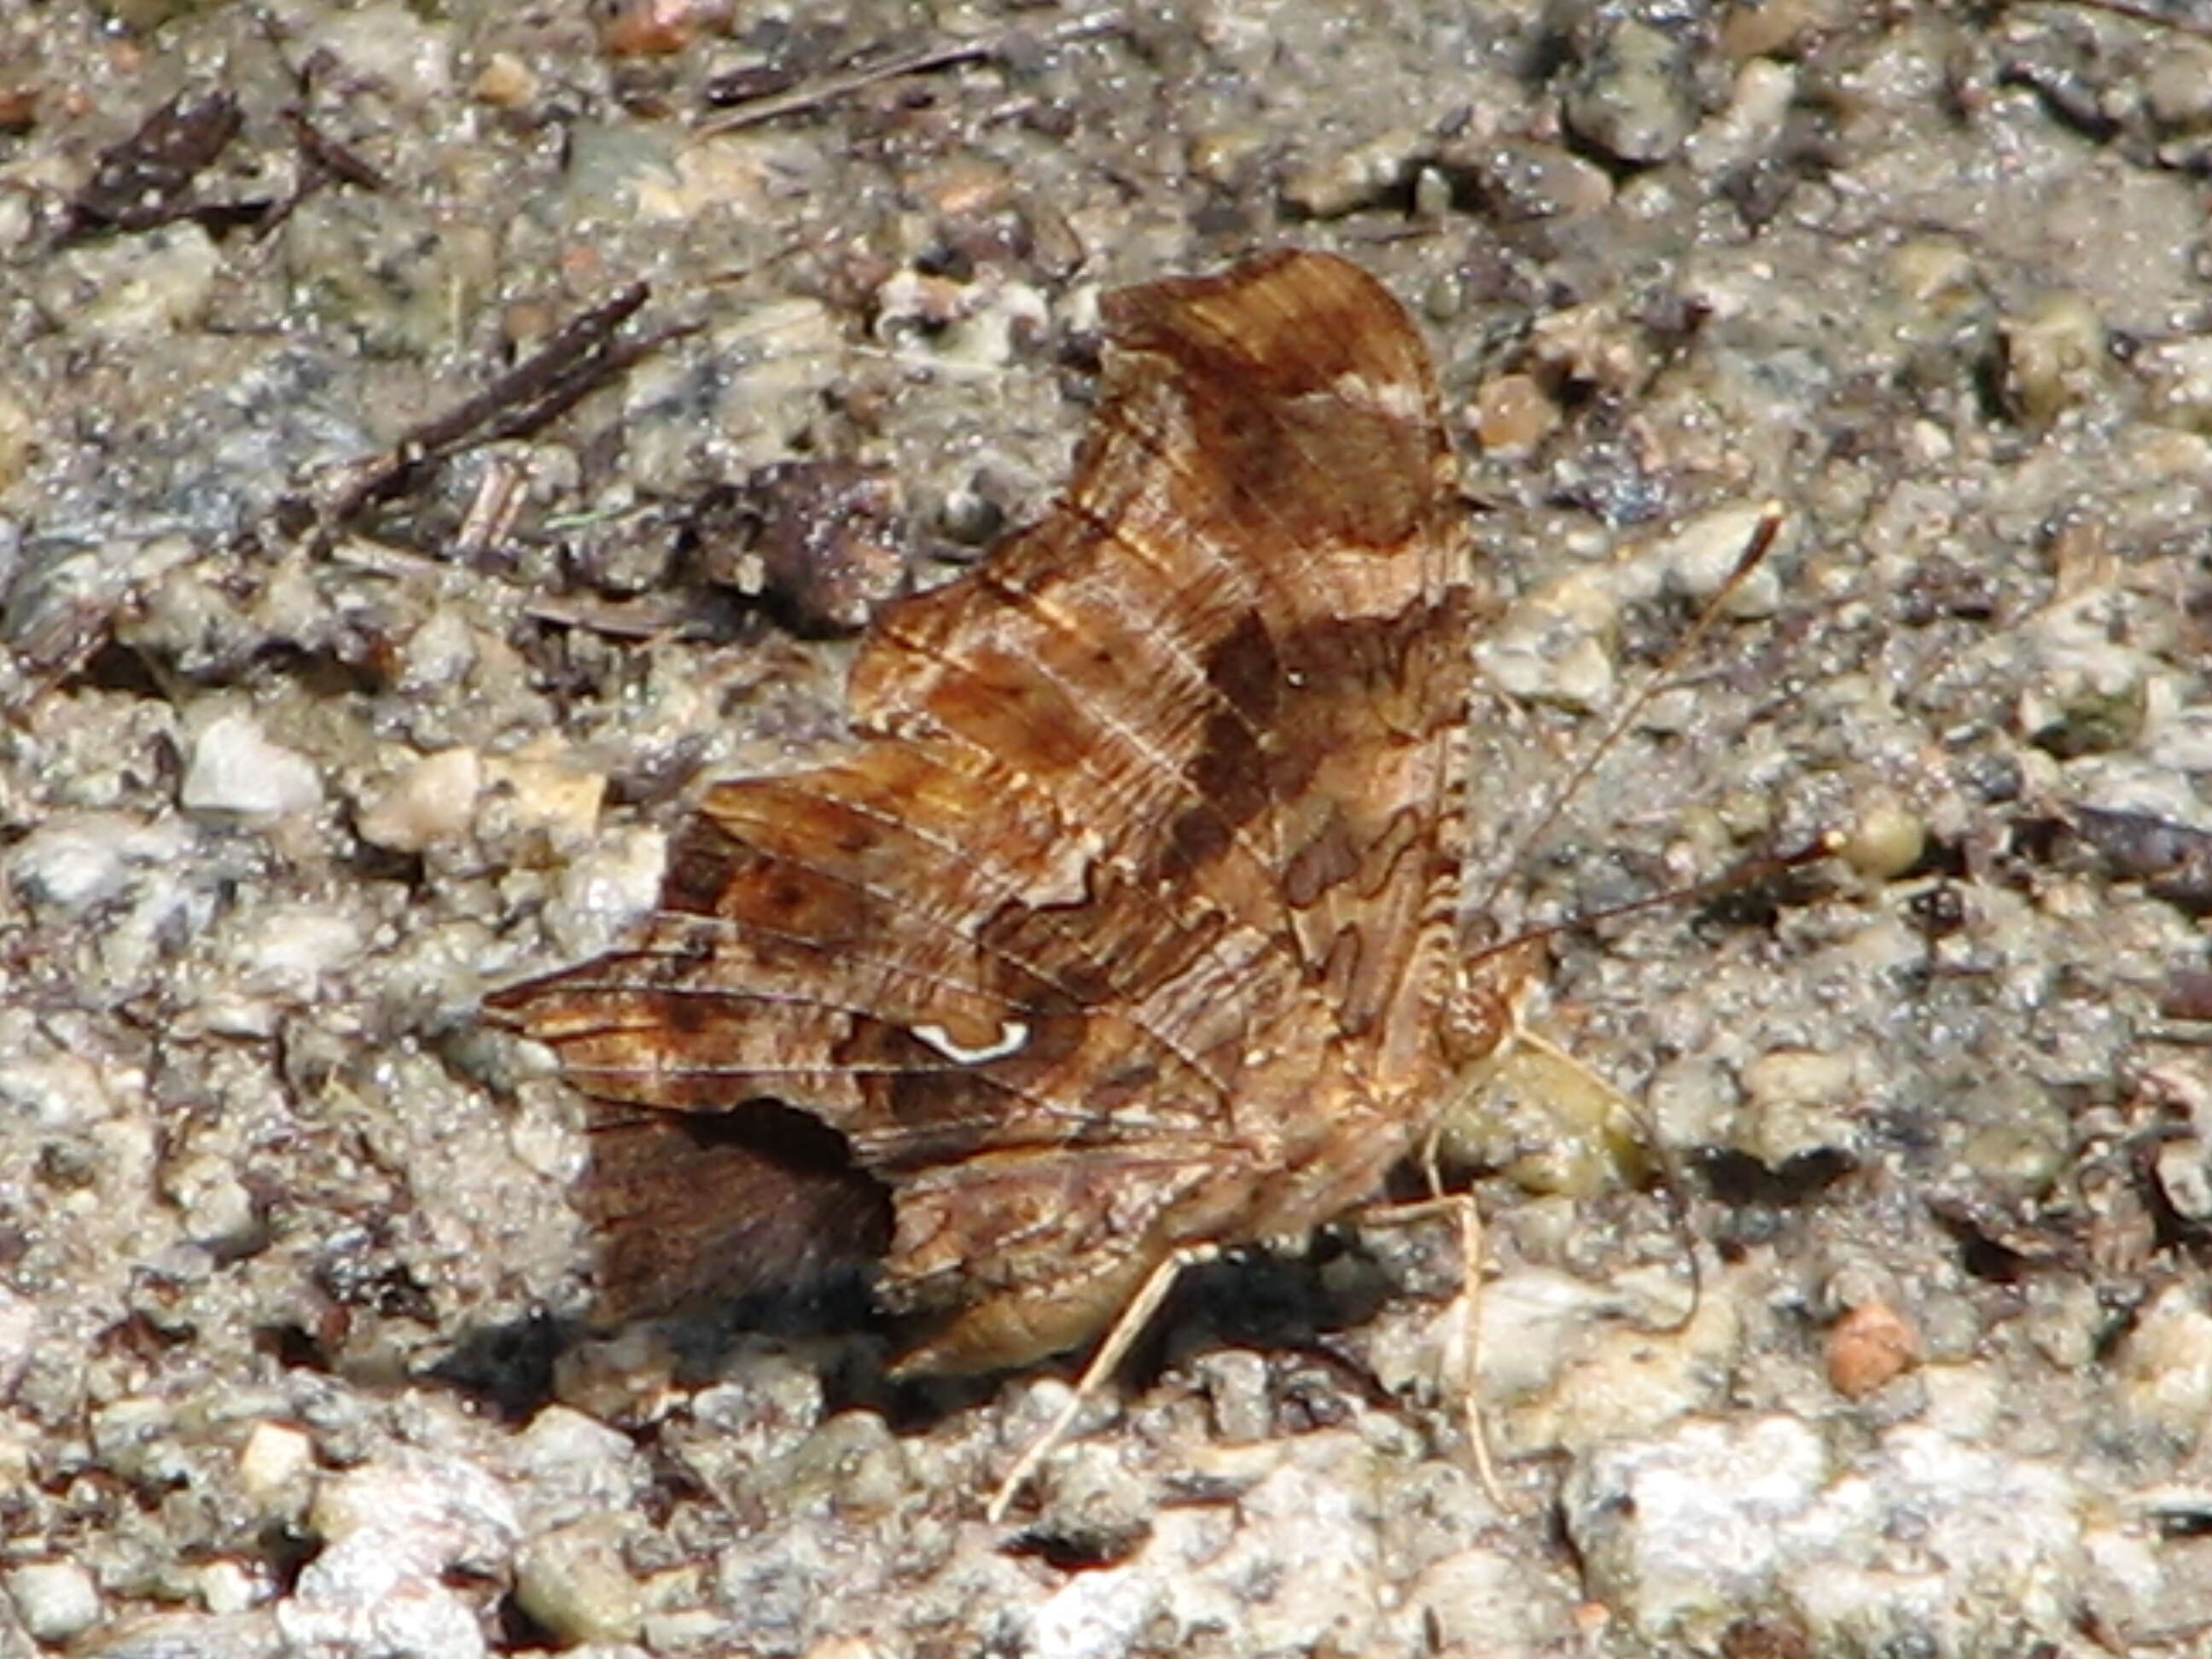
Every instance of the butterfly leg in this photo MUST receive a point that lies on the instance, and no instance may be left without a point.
(1465, 1363)
(1111, 1351)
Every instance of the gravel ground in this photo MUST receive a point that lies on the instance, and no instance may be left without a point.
(300, 754)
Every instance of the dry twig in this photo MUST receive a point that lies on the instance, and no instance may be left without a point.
(580, 357)
(920, 61)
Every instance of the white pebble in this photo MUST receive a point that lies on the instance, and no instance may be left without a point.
(545, 794)
(435, 800)
(56, 1601)
(76, 860)
(235, 769)
(19, 1333)
(273, 1467)
(2162, 1372)
(442, 1512)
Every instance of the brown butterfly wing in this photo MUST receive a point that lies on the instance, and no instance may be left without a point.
(1123, 925)
(692, 1208)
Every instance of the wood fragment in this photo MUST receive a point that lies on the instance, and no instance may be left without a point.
(147, 179)
(581, 355)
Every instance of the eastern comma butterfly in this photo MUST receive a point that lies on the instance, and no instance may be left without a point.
(1123, 931)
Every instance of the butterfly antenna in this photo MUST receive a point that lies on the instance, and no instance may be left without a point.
(1744, 873)
(1756, 547)
(1747, 872)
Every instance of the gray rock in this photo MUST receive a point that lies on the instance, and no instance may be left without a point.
(573, 1582)
(397, 1534)
(77, 861)
(1631, 94)
(1718, 1525)
(576, 1465)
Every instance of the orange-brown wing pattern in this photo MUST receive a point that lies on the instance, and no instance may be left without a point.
(1123, 921)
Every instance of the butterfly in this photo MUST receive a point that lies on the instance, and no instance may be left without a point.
(1123, 930)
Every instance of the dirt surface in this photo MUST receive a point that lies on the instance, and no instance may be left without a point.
(302, 752)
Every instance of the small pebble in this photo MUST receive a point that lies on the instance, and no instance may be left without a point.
(235, 769)
(1869, 1346)
(1227, 157)
(1511, 413)
(1798, 1102)
(577, 1463)
(608, 885)
(274, 1466)
(1347, 180)
(76, 861)
(505, 81)
(2178, 90)
(2054, 357)
(1886, 840)
(972, 514)
(442, 1510)
(2184, 1177)
(439, 654)
(1632, 95)
(150, 286)
(214, 1205)
(1237, 1388)
(397, 1536)
(227, 1587)
(540, 794)
(1749, 129)
(56, 1601)
(2178, 374)
(1935, 274)
(573, 1582)
(1092, 1505)
(291, 949)
(136, 1437)
(2162, 1371)
(1702, 555)
(1523, 181)
(857, 1459)
(433, 800)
